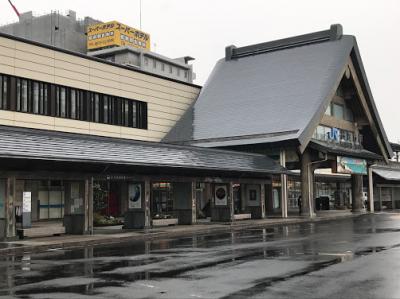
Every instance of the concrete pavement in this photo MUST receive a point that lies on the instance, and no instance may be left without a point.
(73, 241)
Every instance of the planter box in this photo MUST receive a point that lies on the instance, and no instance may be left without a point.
(165, 222)
(242, 216)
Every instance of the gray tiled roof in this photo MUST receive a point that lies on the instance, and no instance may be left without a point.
(275, 91)
(387, 173)
(47, 145)
(269, 92)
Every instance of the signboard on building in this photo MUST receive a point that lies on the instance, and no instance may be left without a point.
(351, 165)
(135, 196)
(26, 202)
(221, 195)
(115, 34)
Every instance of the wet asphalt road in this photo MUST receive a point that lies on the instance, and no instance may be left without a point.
(351, 258)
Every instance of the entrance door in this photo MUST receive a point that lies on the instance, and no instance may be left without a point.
(162, 203)
(51, 204)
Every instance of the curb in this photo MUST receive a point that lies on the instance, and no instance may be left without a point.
(150, 236)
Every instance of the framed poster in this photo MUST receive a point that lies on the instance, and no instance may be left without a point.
(221, 195)
(26, 202)
(135, 196)
(351, 165)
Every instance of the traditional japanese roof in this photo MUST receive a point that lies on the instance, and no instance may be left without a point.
(275, 91)
(31, 144)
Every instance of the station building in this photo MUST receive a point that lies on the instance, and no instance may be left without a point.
(304, 101)
(82, 136)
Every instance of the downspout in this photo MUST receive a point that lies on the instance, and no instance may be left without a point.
(309, 185)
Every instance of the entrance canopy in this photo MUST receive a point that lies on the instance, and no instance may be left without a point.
(37, 145)
(387, 173)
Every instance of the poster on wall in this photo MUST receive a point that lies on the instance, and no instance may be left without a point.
(26, 202)
(135, 196)
(221, 195)
(351, 165)
(253, 196)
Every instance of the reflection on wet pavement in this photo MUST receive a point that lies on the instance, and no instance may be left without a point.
(239, 264)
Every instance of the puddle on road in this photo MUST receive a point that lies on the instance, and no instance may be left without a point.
(171, 258)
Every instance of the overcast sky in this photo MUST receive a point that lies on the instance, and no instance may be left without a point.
(202, 29)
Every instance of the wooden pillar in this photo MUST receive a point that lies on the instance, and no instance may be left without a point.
(284, 193)
(230, 201)
(307, 207)
(356, 187)
(90, 218)
(194, 203)
(88, 205)
(147, 194)
(10, 229)
(262, 200)
(371, 191)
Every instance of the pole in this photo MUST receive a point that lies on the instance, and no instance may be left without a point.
(140, 13)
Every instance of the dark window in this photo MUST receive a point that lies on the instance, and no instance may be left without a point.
(22, 95)
(54, 100)
(61, 101)
(3, 92)
(32, 96)
(338, 111)
(95, 107)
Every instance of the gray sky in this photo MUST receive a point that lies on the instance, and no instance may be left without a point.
(202, 29)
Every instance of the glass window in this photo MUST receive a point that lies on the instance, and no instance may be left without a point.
(106, 109)
(338, 111)
(126, 113)
(328, 110)
(95, 107)
(73, 104)
(349, 115)
(35, 97)
(134, 118)
(146, 61)
(22, 95)
(186, 74)
(170, 69)
(178, 72)
(163, 67)
(154, 63)
(61, 101)
(322, 132)
(3, 92)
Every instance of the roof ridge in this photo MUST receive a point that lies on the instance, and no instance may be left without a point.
(334, 33)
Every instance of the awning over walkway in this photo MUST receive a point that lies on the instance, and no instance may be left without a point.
(388, 173)
(341, 150)
(66, 147)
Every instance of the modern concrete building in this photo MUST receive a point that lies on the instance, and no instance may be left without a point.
(178, 69)
(53, 29)
(81, 137)
(68, 32)
(304, 101)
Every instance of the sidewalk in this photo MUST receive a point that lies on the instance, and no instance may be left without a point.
(74, 241)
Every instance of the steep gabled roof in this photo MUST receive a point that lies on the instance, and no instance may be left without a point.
(276, 91)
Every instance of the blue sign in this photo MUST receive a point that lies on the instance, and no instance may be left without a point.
(334, 134)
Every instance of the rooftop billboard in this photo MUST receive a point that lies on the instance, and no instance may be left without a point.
(111, 34)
